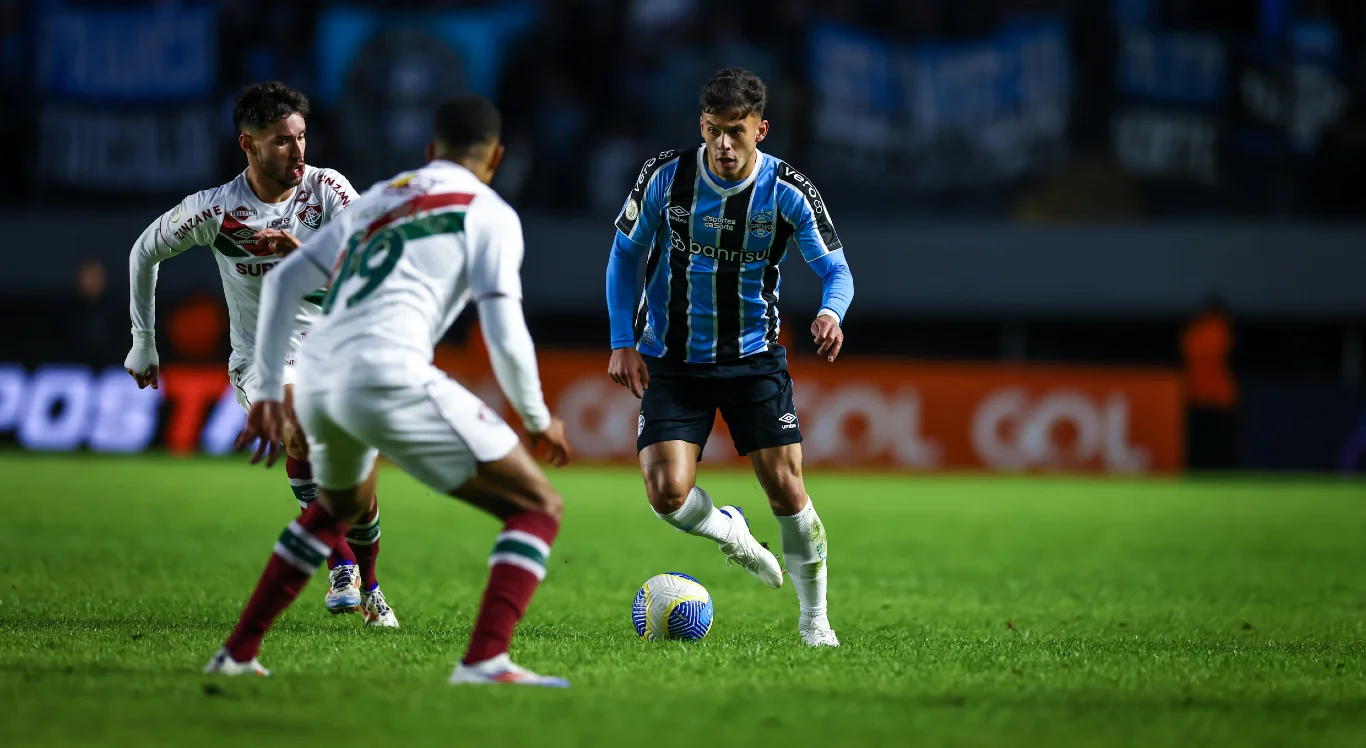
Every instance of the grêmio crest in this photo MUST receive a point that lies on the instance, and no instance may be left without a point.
(761, 223)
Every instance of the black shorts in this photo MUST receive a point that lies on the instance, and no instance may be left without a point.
(754, 395)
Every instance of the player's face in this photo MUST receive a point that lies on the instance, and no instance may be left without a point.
(278, 149)
(731, 142)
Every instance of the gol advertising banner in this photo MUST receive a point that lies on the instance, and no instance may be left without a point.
(892, 414)
(854, 414)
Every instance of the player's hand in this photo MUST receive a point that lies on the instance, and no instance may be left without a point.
(829, 336)
(281, 243)
(146, 378)
(263, 422)
(627, 369)
(559, 453)
(142, 362)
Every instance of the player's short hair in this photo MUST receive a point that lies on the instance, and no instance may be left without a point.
(466, 122)
(734, 90)
(264, 103)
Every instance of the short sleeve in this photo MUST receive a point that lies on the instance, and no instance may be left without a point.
(194, 222)
(644, 207)
(801, 205)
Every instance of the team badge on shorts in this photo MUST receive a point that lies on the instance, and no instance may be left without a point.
(311, 216)
(761, 224)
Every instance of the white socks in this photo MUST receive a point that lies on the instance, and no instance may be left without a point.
(803, 537)
(697, 516)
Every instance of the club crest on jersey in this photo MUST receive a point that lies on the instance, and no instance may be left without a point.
(761, 223)
(242, 212)
(632, 210)
(311, 215)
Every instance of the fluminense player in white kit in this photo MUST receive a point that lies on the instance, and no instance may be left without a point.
(404, 261)
(276, 192)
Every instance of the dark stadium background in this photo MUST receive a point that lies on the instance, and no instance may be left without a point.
(1020, 184)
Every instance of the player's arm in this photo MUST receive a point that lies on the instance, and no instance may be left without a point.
(282, 292)
(636, 226)
(800, 204)
(170, 234)
(496, 287)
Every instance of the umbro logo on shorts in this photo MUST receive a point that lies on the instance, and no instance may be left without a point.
(789, 420)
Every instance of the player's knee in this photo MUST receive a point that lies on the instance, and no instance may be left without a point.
(548, 501)
(666, 491)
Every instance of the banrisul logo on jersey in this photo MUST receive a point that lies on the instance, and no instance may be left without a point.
(678, 244)
(311, 215)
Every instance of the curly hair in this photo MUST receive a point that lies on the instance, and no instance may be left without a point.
(734, 90)
(259, 105)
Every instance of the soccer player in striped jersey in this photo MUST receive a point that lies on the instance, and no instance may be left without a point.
(713, 223)
(277, 191)
(404, 260)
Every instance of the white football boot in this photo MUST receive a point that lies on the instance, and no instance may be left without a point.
(502, 670)
(343, 589)
(223, 664)
(748, 553)
(376, 611)
(816, 632)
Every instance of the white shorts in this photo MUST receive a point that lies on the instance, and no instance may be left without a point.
(433, 428)
(244, 378)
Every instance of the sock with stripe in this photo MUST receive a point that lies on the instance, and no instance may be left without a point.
(804, 548)
(301, 549)
(306, 492)
(698, 516)
(516, 567)
(363, 539)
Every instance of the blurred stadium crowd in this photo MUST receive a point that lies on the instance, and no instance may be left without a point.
(1028, 108)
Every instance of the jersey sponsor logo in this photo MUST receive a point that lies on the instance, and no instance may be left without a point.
(337, 188)
(812, 195)
(255, 270)
(718, 223)
(678, 244)
(632, 210)
(761, 223)
(193, 221)
(242, 212)
(280, 223)
(678, 214)
(311, 216)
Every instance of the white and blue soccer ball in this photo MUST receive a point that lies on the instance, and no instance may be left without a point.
(672, 606)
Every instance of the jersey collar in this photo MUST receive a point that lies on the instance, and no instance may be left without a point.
(741, 187)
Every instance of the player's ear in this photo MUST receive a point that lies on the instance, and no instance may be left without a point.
(244, 141)
(763, 131)
(495, 158)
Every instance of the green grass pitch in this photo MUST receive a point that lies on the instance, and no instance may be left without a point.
(973, 611)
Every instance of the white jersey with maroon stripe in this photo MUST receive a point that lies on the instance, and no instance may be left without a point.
(404, 261)
(224, 219)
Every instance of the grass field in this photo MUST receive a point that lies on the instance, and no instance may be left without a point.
(973, 611)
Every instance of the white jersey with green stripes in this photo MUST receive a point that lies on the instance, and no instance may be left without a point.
(404, 261)
(224, 219)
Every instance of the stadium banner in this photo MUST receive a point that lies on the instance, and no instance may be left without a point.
(153, 52)
(941, 114)
(856, 414)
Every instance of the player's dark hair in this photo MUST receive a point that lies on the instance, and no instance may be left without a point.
(466, 122)
(734, 90)
(264, 103)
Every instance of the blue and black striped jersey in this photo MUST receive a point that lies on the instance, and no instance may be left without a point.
(713, 252)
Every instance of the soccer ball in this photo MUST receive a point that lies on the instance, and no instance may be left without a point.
(672, 606)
